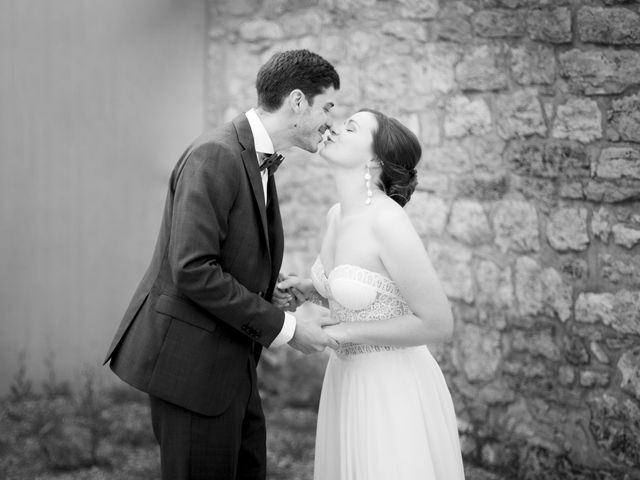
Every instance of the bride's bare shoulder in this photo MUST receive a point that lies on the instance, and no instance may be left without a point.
(391, 217)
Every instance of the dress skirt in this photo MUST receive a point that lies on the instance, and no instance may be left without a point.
(386, 415)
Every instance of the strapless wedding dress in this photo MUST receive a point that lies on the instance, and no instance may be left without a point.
(385, 412)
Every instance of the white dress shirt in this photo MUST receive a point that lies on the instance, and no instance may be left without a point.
(263, 144)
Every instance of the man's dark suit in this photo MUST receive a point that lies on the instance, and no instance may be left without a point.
(196, 324)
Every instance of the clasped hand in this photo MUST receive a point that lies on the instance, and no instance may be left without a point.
(288, 294)
(311, 334)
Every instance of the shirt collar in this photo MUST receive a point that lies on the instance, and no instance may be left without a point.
(261, 139)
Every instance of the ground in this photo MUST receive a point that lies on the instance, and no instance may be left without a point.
(107, 436)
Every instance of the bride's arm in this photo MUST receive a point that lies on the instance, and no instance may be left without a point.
(407, 262)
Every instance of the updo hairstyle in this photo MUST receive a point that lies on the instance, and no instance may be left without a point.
(399, 151)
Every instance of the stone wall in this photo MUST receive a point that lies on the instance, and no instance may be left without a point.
(529, 115)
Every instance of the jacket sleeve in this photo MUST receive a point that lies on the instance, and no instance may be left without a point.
(204, 195)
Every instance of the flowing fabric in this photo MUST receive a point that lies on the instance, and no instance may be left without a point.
(385, 412)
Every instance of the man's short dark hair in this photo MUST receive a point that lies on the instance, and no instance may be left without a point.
(290, 70)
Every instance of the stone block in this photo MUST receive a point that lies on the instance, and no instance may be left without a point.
(430, 129)
(590, 379)
(387, 78)
(566, 375)
(573, 190)
(619, 310)
(557, 296)
(480, 350)
(422, 9)
(629, 366)
(515, 224)
(468, 223)
(451, 157)
(578, 119)
(498, 23)
(528, 159)
(362, 45)
(618, 162)
(533, 64)
(259, 29)
(528, 286)
(433, 182)
(465, 116)
(482, 68)
(597, 72)
(453, 29)
(350, 6)
(625, 236)
(302, 23)
(519, 114)
(453, 264)
(481, 186)
(540, 191)
(601, 224)
(234, 7)
(615, 26)
(620, 268)
(570, 158)
(550, 24)
(350, 84)
(574, 350)
(428, 214)
(619, 190)
(599, 353)
(433, 71)
(539, 343)
(528, 3)
(406, 30)
(624, 117)
(485, 152)
(496, 392)
(567, 229)
(495, 296)
(614, 425)
(576, 269)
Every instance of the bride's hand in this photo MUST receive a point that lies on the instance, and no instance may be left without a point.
(338, 332)
(300, 288)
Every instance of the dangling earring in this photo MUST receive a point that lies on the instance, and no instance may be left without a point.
(367, 183)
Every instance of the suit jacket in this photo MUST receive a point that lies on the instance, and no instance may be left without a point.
(202, 308)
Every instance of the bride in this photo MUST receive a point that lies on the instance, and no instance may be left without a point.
(385, 409)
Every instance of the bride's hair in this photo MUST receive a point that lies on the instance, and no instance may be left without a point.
(399, 151)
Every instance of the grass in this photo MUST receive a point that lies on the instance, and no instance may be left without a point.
(56, 433)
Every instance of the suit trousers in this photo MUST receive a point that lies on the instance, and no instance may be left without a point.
(229, 446)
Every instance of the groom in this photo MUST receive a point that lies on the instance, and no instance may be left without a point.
(195, 327)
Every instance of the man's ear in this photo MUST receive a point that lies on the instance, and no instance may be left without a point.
(297, 100)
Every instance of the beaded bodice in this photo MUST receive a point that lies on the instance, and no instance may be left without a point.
(356, 294)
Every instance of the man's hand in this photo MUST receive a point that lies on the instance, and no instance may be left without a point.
(309, 336)
(284, 300)
(292, 291)
(285, 296)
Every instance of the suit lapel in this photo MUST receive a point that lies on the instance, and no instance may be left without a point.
(245, 138)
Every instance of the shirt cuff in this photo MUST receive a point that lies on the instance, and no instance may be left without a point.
(286, 334)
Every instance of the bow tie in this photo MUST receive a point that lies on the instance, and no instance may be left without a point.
(272, 162)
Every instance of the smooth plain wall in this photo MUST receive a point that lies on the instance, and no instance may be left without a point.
(97, 101)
